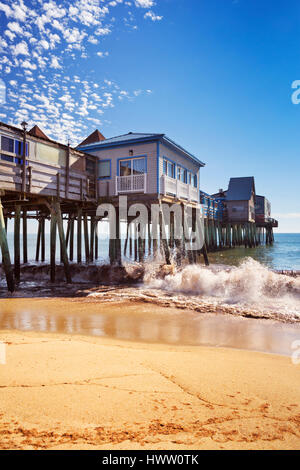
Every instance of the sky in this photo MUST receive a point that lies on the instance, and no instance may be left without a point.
(215, 75)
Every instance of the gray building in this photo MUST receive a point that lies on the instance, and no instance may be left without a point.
(240, 199)
(150, 164)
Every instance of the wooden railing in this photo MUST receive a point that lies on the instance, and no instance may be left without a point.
(48, 180)
(179, 189)
(131, 184)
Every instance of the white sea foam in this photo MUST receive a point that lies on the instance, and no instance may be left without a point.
(251, 284)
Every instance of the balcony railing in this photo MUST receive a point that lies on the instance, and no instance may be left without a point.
(179, 189)
(131, 184)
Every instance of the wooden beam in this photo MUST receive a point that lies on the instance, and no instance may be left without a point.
(25, 252)
(17, 243)
(79, 235)
(6, 263)
(63, 246)
(52, 246)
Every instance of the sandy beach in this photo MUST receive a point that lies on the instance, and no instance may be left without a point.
(63, 391)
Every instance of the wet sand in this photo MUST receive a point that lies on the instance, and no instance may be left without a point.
(61, 390)
(146, 322)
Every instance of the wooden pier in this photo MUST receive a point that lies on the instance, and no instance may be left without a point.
(59, 184)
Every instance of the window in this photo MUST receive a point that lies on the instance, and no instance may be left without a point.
(165, 167)
(179, 173)
(7, 158)
(134, 166)
(195, 181)
(138, 166)
(125, 167)
(90, 166)
(168, 168)
(171, 169)
(7, 144)
(105, 169)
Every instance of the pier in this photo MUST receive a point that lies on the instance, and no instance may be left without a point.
(43, 180)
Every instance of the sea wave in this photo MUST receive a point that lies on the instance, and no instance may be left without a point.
(251, 284)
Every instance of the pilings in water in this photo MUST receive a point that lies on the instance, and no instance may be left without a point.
(80, 242)
(219, 235)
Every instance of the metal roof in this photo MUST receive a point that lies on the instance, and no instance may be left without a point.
(123, 138)
(133, 137)
(240, 189)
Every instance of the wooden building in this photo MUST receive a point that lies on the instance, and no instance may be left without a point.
(240, 199)
(52, 169)
(148, 164)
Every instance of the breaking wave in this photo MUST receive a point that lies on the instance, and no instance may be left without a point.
(251, 284)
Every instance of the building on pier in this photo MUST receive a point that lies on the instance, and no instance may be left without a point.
(149, 164)
(52, 169)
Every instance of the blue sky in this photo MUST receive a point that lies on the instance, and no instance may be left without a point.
(214, 75)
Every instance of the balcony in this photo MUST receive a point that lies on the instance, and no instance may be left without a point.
(131, 184)
(178, 189)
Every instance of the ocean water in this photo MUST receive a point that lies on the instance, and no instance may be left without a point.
(284, 254)
(238, 281)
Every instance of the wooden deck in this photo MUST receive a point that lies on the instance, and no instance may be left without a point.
(48, 180)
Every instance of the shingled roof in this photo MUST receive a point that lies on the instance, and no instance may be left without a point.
(93, 138)
(240, 189)
(37, 132)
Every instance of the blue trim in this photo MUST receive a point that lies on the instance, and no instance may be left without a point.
(159, 138)
(105, 177)
(98, 146)
(131, 158)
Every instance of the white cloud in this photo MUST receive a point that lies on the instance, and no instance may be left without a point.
(153, 16)
(20, 49)
(102, 54)
(144, 3)
(26, 64)
(55, 63)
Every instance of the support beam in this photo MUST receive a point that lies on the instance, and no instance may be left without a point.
(62, 239)
(6, 263)
(86, 239)
(79, 235)
(52, 246)
(17, 243)
(38, 241)
(25, 252)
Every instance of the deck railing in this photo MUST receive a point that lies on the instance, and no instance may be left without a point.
(131, 184)
(179, 189)
(48, 180)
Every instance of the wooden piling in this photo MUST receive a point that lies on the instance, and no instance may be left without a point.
(62, 239)
(25, 252)
(43, 244)
(52, 246)
(6, 263)
(71, 241)
(86, 239)
(79, 235)
(17, 265)
(38, 241)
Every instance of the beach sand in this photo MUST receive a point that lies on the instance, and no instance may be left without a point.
(62, 391)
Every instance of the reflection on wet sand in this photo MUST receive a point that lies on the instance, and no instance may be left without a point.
(136, 321)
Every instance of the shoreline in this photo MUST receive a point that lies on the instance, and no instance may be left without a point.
(60, 391)
(120, 318)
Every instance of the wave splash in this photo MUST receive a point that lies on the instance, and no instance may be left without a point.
(250, 284)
